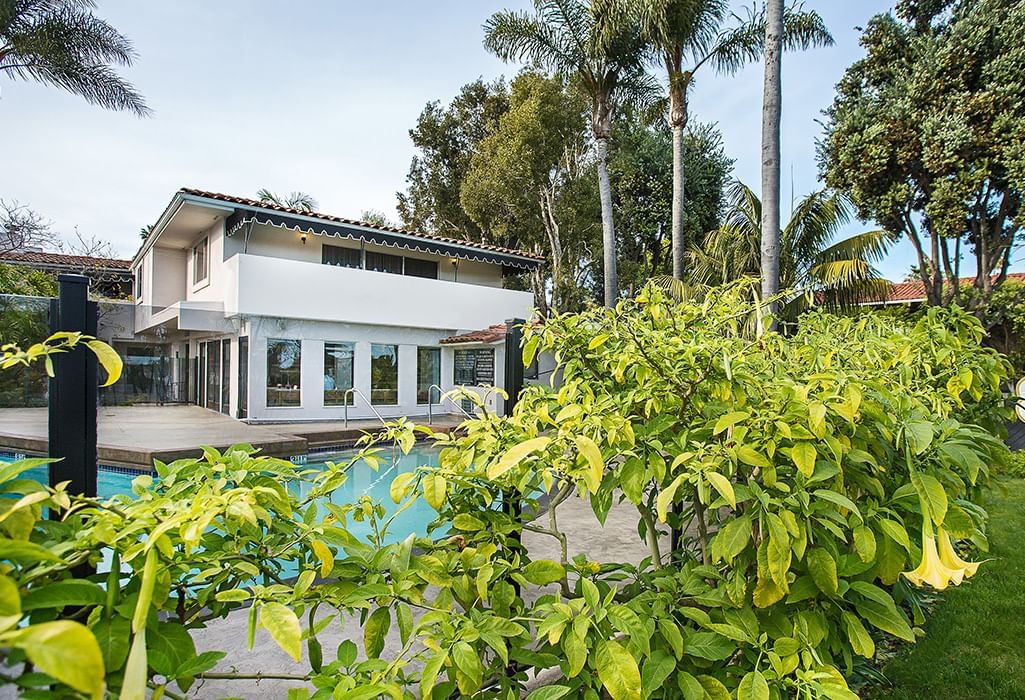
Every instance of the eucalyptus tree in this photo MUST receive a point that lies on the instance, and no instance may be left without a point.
(63, 44)
(300, 201)
(688, 34)
(772, 107)
(592, 44)
(810, 259)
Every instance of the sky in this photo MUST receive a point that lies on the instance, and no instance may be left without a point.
(319, 96)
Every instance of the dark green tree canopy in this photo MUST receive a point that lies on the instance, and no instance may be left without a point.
(926, 134)
(446, 136)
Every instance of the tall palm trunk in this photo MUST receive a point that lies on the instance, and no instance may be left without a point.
(677, 122)
(771, 116)
(607, 227)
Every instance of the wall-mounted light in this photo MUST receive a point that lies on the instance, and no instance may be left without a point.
(302, 237)
(455, 269)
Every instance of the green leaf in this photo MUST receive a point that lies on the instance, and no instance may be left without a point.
(723, 486)
(541, 572)
(375, 632)
(67, 651)
(804, 455)
(168, 646)
(468, 663)
(731, 539)
(822, 568)
(729, 419)
(840, 500)
(708, 645)
(549, 692)
(59, 594)
(753, 687)
(108, 359)
(896, 532)
(430, 673)
(200, 663)
(347, 652)
(879, 609)
(324, 555)
(435, 489)
(932, 494)
(860, 639)
(865, 543)
(666, 496)
(919, 435)
(657, 668)
(517, 454)
(401, 486)
(595, 464)
(617, 670)
(284, 628)
(467, 523)
(112, 636)
(752, 457)
(23, 550)
(714, 689)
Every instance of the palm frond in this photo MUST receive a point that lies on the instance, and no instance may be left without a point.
(744, 43)
(678, 289)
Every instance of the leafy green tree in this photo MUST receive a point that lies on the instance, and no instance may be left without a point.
(926, 134)
(688, 34)
(446, 138)
(640, 166)
(299, 201)
(63, 44)
(592, 44)
(524, 180)
(24, 281)
(810, 258)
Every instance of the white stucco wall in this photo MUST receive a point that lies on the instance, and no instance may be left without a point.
(293, 289)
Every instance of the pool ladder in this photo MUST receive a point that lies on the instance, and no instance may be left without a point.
(444, 397)
(345, 402)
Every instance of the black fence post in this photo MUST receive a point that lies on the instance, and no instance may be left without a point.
(511, 504)
(73, 391)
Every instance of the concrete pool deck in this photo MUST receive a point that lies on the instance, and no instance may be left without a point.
(134, 436)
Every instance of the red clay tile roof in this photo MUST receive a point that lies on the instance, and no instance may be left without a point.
(61, 260)
(491, 334)
(244, 201)
(908, 292)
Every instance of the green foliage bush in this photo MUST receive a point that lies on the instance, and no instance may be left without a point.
(806, 473)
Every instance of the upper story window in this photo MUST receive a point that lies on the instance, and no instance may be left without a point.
(138, 281)
(383, 262)
(200, 261)
(341, 257)
(422, 268)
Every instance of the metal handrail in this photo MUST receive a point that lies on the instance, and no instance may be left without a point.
(444, 395)
(357, 392)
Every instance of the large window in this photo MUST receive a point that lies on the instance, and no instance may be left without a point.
(138, 280)
(284, 363)
(342, 257)
(243, 377)
(338, 360)
(474, 366)
(200, 261)
(422, 268)
(212, 353)
(383, 262)
(428, 372)
(384, 374)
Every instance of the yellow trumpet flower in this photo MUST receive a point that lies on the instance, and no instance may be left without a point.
(950, 559)
(932, 570)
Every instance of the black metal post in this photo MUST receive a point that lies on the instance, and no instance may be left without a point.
(73, 391)
(513, 385)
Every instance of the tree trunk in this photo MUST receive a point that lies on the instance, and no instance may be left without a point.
(771, 117)
(608, 229)
(679, 184)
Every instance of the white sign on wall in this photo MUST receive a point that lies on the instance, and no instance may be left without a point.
(1019, 405)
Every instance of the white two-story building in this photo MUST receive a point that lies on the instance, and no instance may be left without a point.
(274, 314)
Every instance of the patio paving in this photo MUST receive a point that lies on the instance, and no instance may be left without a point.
(136, 435)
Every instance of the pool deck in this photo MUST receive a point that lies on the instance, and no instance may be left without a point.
(135, 436)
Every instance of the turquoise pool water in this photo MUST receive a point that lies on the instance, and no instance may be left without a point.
(362, 481)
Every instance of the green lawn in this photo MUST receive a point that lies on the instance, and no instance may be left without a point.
(975, 638)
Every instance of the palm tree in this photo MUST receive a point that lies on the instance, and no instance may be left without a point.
(62, 43)
(591, 43)
(300, 201)
(772, 105)
(691, 32)
(809, 260)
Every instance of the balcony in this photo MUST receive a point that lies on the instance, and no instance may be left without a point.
(276, 287)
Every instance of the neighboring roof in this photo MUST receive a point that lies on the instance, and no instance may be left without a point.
(491, 334)
(65, 261)
(912, 292)
(531, 259)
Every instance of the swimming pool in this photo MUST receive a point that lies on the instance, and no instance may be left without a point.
(363, 481)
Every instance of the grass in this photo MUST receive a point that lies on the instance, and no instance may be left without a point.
(975, 638)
